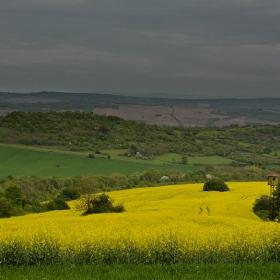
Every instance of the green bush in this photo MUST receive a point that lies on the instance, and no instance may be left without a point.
(277, 200)
(56, 204)
(215, 184)
(14, 194)
(261, 207)
(118, 208)
(17, 211)
(35, 207)
(6, 208)
(69, 193)
(103, 204)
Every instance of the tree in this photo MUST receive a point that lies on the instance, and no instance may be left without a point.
(184, 160)
(6, 208)
(57, 204)
(14, 194)
(116, 180)
(133, 149)
(261, 206)
(215, 184)
(70, 193)
(88, 187)
(103, 204)
(277, 200)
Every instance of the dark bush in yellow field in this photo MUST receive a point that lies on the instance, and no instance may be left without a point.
(215, 184)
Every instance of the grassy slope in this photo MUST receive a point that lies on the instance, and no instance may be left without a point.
(23, 161)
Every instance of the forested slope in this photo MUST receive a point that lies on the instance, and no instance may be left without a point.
(255, 145)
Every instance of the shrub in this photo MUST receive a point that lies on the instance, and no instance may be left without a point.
(6, 208)
(215, 184)
(14, 194)
(57, 204)
(17, 211)
(118, 208)
(261, 207)
(277, 199)
(35, 207)
(103, 204)
(70, 193)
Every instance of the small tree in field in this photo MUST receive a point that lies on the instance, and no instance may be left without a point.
(184, 160)
(261, 206)
(215, 184)
(88, 188)
(103, 204)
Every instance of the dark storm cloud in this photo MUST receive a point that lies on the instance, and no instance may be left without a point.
(207, 47)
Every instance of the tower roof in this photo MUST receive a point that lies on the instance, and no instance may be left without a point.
(272, 174)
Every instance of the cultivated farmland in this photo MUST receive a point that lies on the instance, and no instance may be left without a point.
(171, 224)
(52, 162)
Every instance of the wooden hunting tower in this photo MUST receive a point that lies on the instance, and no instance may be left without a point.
(272, 179)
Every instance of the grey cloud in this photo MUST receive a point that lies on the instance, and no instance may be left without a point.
(141, 46)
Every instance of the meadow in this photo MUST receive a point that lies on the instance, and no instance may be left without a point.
(43, 162)
(248, 271)
(177, 224)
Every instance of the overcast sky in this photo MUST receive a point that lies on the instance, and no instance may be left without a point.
(192, 48)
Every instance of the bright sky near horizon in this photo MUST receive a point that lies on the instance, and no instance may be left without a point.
(191, 48)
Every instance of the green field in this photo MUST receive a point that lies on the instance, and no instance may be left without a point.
(268, 271)
(169, 158)
(16, 161)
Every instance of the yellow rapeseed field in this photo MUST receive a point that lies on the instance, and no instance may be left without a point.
(169, 224)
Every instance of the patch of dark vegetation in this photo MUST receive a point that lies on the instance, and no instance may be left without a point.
(215, 184)
(102, 204)
(266, 207)
(13, 202)
(261, 207)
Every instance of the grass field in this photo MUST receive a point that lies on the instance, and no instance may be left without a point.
(214, 160)
(267, 271)
(19, 160)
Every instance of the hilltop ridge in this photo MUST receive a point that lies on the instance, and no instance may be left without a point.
(151, 110)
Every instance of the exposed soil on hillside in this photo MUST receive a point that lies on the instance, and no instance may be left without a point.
(163, 115)
(160, 111)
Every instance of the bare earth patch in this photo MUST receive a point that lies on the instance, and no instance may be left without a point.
(165, 115)
(161, 115)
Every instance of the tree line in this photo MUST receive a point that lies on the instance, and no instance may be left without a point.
(24, 194)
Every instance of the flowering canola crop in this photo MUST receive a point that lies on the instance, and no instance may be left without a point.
(169, 224)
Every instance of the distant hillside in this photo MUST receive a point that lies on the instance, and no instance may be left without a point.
(257, 145)
(160, 111)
